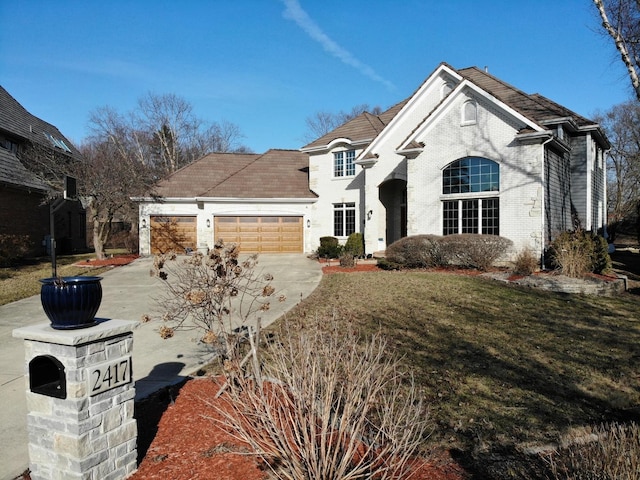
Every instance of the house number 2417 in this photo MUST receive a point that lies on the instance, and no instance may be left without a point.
(109, 375)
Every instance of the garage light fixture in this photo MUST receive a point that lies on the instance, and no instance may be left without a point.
(208, 223)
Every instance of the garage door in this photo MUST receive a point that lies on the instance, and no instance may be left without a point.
(173, 234)
(262, 234)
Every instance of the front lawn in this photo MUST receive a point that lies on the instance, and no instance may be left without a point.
(22, 281)
(502, 367)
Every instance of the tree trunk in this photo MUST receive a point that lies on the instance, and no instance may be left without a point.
(621, 46)
(101, 231)
(98, 244)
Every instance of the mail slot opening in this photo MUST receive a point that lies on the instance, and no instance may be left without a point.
(46, 376)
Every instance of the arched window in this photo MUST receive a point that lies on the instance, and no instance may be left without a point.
(469, 112)
(470, 175)
(471, 206)
(445, 89)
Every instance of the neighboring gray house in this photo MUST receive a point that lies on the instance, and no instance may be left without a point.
(24, 197)
(465, 153)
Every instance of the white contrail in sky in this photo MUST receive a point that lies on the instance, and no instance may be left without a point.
(294, 12)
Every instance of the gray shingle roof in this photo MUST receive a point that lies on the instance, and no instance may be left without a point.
(364, 127)
(13, 173)
(533, 106)
(274, 174)
(16, 121)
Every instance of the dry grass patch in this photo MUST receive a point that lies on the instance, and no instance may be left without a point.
(499, 365)
(21, 282)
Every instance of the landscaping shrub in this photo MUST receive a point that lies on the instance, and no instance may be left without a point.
(525, 262)
(601, 261)
(386, 264)
(329, 248)
(417, 251)
(475, 251)
(355, 245)
(217, 294)
(607, 452)
(12, 248)
(347, 259)
(336, 406)
(576, 253)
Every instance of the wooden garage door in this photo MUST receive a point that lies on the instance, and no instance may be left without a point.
(262, 234)
(173, 234)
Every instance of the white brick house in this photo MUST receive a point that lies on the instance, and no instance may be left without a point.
(465, 153)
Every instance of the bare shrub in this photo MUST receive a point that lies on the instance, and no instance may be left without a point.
(216, 294)
(13, 247)
(571, 253)
(334, 408)
(347, 259)
(417, 251)
(475, 251)
(607, 452)
(525, 262)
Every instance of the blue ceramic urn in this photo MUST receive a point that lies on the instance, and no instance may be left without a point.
(71, 302)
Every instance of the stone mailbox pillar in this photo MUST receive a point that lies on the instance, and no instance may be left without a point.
(80, 399)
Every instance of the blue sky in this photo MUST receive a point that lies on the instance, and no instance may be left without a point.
(267, 65)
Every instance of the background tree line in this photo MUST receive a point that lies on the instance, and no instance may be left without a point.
(126, 154)
(621, 22)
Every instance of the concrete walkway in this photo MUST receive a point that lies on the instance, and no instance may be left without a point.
(128, 293)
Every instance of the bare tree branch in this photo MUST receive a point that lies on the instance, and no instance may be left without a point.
(625, 33)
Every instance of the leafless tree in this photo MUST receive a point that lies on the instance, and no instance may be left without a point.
(322, 123)
(622, 125)
(621, 21)
(177, 135)
(163, 132)
(107, 178)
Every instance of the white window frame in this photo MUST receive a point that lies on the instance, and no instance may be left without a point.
(344, 164)
(344, 208)
(460, 213)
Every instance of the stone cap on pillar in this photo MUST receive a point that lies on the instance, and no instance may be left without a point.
(105, 328)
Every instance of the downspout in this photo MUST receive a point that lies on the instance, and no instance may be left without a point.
(542, 201)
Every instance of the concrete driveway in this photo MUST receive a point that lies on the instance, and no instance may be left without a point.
(128, 293)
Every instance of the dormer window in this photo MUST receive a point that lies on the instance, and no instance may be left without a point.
(343, 163)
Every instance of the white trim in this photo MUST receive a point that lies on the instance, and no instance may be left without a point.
(448, 103)
(221, 200)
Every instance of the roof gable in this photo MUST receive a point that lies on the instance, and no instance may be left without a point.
(361, 129)
(533, 106)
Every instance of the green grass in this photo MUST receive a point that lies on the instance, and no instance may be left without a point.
(499, 365)
(22, 281)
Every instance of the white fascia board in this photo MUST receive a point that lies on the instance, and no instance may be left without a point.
(253, 200)
(544, 136)
(163, 199)
(448, 102)
(562, 121)
(415, 98)
(335, 142)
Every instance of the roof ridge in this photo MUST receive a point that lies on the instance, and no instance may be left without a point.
(235, 172)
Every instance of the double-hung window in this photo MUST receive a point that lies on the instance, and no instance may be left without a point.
(344, 219)
(470, 204)
(343, 163)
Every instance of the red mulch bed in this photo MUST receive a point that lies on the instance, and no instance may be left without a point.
(189, 446)
(113, 261)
